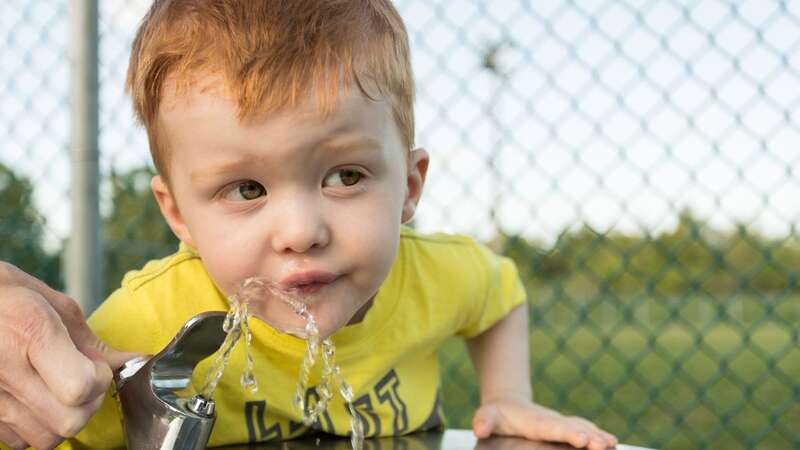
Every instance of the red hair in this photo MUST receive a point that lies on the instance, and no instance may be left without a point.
(270, 54)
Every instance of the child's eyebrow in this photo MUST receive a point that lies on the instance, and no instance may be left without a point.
(349, 144)
(338, 144)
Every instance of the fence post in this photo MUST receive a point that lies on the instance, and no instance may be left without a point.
(84, 267)
(491, 63)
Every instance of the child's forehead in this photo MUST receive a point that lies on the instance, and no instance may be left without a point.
(192, 94)
(206, 113)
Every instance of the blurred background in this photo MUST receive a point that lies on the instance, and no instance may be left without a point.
(637, 159)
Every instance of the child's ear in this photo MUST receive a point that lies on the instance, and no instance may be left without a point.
(415, 180)
(170, 211)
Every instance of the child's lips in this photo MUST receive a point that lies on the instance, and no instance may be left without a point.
(307, 282)
(309, 288)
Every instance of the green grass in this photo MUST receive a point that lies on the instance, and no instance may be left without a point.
(672, 385)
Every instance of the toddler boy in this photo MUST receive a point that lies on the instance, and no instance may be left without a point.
(283, 136)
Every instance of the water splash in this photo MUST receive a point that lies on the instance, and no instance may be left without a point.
(273, 299)
(330, 381)
(235, 325)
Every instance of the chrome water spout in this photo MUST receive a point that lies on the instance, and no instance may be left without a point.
(160, 410)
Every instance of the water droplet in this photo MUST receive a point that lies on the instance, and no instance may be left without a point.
(235, 325)
(249, 382)
(297, 402)
(346, 391)
(324, 392)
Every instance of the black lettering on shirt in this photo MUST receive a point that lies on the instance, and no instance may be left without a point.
(294, 427)
(257, 431)
(327, 426)
(386, 390)
(363, 407)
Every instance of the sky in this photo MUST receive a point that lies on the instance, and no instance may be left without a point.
(614, 113)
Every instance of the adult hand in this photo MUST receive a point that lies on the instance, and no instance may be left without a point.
(54, 371)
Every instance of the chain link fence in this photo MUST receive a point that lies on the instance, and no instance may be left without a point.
(637, 159)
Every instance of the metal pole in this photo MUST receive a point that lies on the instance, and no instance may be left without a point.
(84, 268)
(492, 64)
(497, 186)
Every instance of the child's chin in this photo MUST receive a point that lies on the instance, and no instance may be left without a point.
(328, 329)
(285, 321)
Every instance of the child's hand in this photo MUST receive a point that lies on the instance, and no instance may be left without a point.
(523, 418)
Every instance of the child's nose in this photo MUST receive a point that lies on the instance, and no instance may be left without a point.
(299, 227)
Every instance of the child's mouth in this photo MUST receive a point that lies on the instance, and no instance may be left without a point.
(309, 288)
(306, 283)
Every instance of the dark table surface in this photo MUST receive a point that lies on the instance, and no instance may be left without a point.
(449, 440)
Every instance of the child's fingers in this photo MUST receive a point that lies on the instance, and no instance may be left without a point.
(610, 438)
(539, 424)
(600, 443)
(576, 439)
(484, 421)
(557, 429)
(577, 433)
(597, 439)
(600, 439)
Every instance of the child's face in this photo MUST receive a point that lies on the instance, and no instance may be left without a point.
(307, 202)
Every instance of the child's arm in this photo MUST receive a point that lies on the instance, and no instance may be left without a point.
(500, 355)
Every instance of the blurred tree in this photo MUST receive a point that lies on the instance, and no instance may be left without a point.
(134, 232)
(535, 265)
(22, 230)
(691, 257)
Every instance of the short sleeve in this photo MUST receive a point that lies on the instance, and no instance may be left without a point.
(502, 291)
(114, 322)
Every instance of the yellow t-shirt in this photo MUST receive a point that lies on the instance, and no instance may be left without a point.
(440, 286)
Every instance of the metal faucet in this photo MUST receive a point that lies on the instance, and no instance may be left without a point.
(160, 410)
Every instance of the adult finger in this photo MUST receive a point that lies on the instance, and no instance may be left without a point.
(21, 422)
(70, 314)
(47, 352)
(9, 438)
(51, 415)
(10, 275)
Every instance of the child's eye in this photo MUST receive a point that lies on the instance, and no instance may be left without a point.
(343, 177)
(245, 190)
